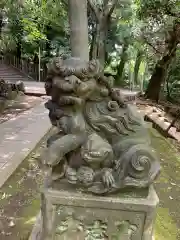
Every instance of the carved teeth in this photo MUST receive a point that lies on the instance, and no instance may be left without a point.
(95, 154)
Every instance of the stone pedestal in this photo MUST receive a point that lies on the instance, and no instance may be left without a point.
(70, 214)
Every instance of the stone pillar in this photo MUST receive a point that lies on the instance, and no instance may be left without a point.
(78, 29)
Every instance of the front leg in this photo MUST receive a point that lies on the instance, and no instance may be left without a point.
(59, 148)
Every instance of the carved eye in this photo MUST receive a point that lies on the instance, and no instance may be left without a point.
(67, 79)
(113, 105)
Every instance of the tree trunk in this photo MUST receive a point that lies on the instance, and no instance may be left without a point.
(155, 82)
(36, 58)
(98, 45)
(102, 36)
(1, 22)
(136, 67)
(78, 28)
(93, 49)
(158, 77)
(103, 19)
(168, 90)
(121, 65)
(18, 50)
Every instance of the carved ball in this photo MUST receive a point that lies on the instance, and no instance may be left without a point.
(85, 175)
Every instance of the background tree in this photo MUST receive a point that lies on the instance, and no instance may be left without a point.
(162, 26)
(36, 23)
(102, 11)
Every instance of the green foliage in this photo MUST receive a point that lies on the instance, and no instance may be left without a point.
(32, 33)
(137, 37)
(36, 23)
(157, 9)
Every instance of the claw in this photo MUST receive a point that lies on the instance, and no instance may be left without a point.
(108, 178)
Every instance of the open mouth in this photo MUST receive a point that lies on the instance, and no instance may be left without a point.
(95, 155)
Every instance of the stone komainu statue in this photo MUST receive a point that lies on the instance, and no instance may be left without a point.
(6, 88)
(102, 143)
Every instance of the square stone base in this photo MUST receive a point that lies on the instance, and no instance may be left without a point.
(71, 215)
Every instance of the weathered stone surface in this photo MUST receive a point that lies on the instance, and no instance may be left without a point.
(10, 90)
(102, 147)
(72, 215)
(103, 144)
(3, 104)
(34, 88)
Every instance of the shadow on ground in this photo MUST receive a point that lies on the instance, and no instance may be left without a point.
(17, 106)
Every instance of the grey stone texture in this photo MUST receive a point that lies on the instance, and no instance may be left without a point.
(72, 215)
(102, 150)
(34, 88)
(103, 144)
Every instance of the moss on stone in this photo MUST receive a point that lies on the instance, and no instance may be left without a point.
(168, 189)
(20, 197)
(165, 228)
